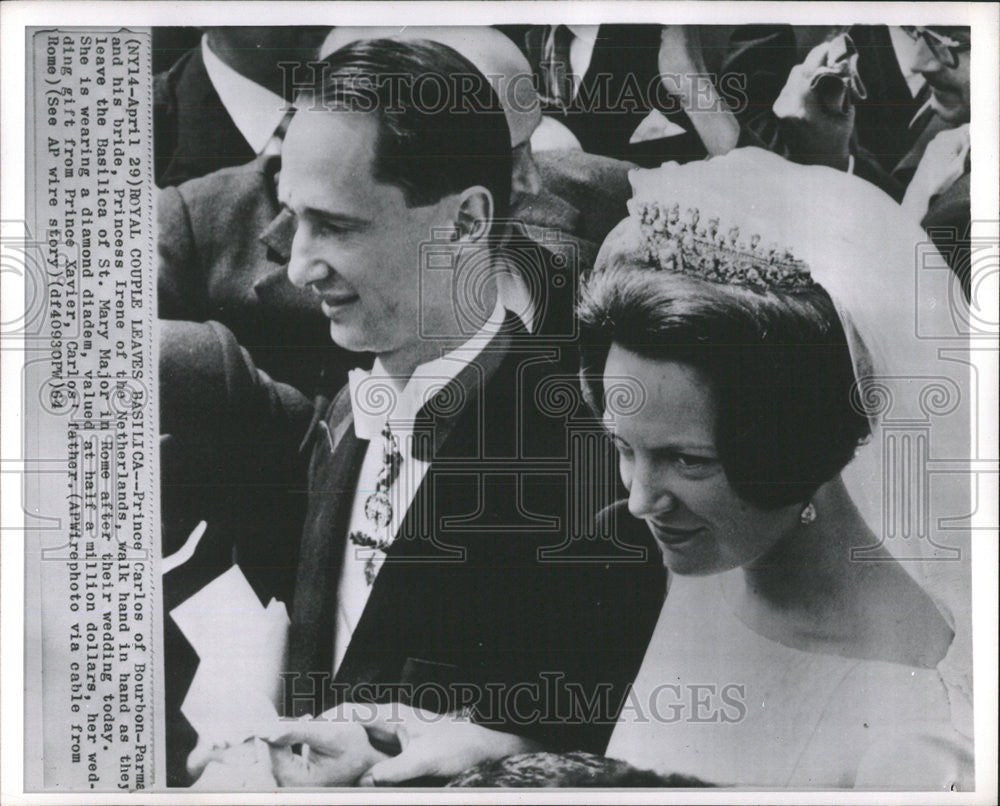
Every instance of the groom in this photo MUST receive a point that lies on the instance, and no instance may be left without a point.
(440, 564)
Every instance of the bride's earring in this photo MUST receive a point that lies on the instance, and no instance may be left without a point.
(808, 514)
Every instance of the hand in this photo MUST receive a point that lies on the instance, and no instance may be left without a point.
(942, 164)
(207, 752)
(437, 745)
(816, 120)
(241, 766)
(338, 753)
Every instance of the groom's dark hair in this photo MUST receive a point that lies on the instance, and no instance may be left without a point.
(441, 127)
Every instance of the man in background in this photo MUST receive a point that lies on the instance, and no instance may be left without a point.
(221, 102)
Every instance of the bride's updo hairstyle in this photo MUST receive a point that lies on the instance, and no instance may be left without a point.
(778, 364)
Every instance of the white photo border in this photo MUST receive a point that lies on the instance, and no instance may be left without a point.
(984, 20)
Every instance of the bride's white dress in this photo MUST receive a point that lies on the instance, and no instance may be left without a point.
(716, 700)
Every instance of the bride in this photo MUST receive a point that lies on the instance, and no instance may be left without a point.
(793, 649)
(765, 352)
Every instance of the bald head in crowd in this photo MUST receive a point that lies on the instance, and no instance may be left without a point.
(497, 58)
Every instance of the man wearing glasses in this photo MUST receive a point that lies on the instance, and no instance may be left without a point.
(921, 159)
(937, 195)
(940, 55)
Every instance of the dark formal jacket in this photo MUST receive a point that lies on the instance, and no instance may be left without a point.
(884, 120)
(948, 221)
(193, 133)
(501, 596)
(497, 583)
(923, 129)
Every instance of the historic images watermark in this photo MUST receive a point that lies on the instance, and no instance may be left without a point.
(520, 93)
(546, 701)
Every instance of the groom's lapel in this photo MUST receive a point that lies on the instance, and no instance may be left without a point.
(336, 462)
(447, 421)
(461, 398)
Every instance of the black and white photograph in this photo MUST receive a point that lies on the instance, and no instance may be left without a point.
(553, 396)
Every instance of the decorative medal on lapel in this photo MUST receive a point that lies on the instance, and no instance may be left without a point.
(378, 505)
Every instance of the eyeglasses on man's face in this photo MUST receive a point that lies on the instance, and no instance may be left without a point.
(944, 48)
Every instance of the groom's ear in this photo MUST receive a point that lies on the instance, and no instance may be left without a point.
(474, 214)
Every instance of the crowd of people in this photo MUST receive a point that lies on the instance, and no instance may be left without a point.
(434, 299)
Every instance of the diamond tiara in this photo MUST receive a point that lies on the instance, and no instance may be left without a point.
(678, 244)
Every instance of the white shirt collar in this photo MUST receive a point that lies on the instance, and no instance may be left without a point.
(377, 396)
(255, 110)
(588, 33)
(581, 52)
(515, 295)
(903, 47)
(928, 104)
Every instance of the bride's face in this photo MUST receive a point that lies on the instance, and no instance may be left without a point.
(670, 466)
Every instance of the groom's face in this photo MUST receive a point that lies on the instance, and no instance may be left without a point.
(357, 242)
